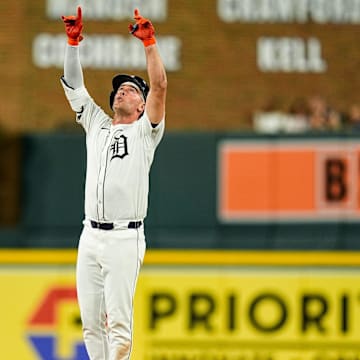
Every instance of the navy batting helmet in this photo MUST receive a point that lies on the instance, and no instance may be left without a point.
(122, 78)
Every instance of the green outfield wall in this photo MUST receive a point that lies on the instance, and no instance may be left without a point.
(208, 191)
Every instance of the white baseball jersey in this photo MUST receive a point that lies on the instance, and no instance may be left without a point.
(119, 158)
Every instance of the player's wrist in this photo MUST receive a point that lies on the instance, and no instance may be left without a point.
(73, 42)
(148, 42)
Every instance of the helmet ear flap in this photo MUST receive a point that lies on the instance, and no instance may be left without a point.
(112, 97)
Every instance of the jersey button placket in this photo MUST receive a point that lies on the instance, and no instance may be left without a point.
(101, 180)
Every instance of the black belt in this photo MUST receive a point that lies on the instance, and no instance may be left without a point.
(110, 226)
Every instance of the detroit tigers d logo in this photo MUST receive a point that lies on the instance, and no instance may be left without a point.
(119, 147)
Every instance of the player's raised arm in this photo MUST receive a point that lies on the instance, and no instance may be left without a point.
(73, 74)
(155, 103)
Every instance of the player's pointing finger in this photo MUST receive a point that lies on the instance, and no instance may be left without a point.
(79, 13)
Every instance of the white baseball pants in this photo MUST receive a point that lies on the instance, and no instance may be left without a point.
(107, 270)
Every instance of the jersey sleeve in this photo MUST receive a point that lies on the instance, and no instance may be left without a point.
(76, 97)
(152, 135)
(87, 111)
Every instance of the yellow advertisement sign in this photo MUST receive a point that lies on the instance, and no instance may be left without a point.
(193, 313)
(239, 314)
(39, 313)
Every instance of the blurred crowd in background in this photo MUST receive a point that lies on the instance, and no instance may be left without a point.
(312, 114)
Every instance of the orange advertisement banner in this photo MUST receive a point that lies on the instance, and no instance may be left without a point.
(288, 180)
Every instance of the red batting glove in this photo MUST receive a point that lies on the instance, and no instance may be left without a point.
(143, 29)
(73, 27)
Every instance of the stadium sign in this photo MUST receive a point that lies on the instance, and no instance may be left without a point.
(288, 181)
(105, 52)
(286, 11)
(115, 10)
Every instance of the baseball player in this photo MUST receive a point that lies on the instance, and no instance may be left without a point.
(120, 150)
